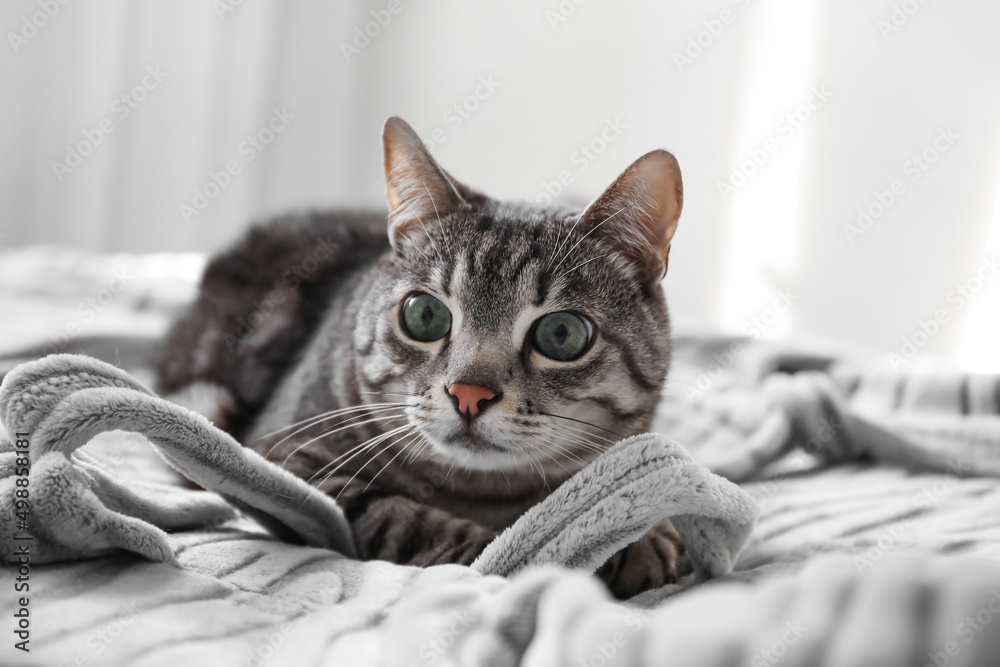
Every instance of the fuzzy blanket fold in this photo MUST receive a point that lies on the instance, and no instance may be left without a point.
(79, 509)
(862, 561)
(878, 541)
(835, 410)
(640, 482)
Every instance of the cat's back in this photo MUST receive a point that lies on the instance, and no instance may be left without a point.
(259, 302)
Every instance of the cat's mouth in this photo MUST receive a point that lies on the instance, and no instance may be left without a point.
(467, 440)
(468, 447)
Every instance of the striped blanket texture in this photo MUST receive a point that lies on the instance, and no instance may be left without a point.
(877, 544)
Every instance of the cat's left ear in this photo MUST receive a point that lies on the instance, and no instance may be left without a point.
(419, 191)
(639, 212)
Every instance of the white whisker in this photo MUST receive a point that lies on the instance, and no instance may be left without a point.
(592, 259)
(444, 235)
(424, 444)
(556, 461)
(401, 450)
(328, 413)
(564, 451)
(342, 428)
(580, 421)
(376, 441)
(366, 445)
(569, 234)
(427, 234)
(589, 232)
(316, 419)
(578, 438)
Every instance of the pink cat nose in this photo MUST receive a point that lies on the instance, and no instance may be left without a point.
(469, 397)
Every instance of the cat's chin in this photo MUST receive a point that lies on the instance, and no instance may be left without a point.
(475, 453)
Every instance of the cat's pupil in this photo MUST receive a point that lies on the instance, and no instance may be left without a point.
(427, 316)
(561, 334)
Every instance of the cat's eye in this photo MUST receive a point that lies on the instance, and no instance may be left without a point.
(425, 318)
(563, 336)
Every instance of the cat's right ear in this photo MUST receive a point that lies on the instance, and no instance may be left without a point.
(638, 214)
(419, 191)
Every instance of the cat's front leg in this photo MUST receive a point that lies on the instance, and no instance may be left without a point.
(401, 530)
(644, 565)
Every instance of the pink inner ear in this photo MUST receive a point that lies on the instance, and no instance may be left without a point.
(417, 190)
(662, 179)
(640, 211)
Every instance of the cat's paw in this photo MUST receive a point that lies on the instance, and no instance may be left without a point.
(644, 565)
(461, 549)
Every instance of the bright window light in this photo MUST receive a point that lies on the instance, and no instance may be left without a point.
(767, 182)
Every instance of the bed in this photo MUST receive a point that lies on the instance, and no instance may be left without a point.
(877, 544)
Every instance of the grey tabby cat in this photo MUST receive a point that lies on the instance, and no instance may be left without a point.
(441, 379)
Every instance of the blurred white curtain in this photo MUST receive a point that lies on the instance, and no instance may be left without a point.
(525, 99)
(716, 83)
(221, 68)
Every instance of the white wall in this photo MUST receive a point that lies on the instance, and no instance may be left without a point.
(559, 83)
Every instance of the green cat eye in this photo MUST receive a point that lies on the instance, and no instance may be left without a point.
(425, 318)
(562, 336)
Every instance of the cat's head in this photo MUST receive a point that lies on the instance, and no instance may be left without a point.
(520, 335)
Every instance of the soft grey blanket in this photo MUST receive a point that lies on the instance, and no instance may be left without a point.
(878, 541)
(230, 594)
(79, 509)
